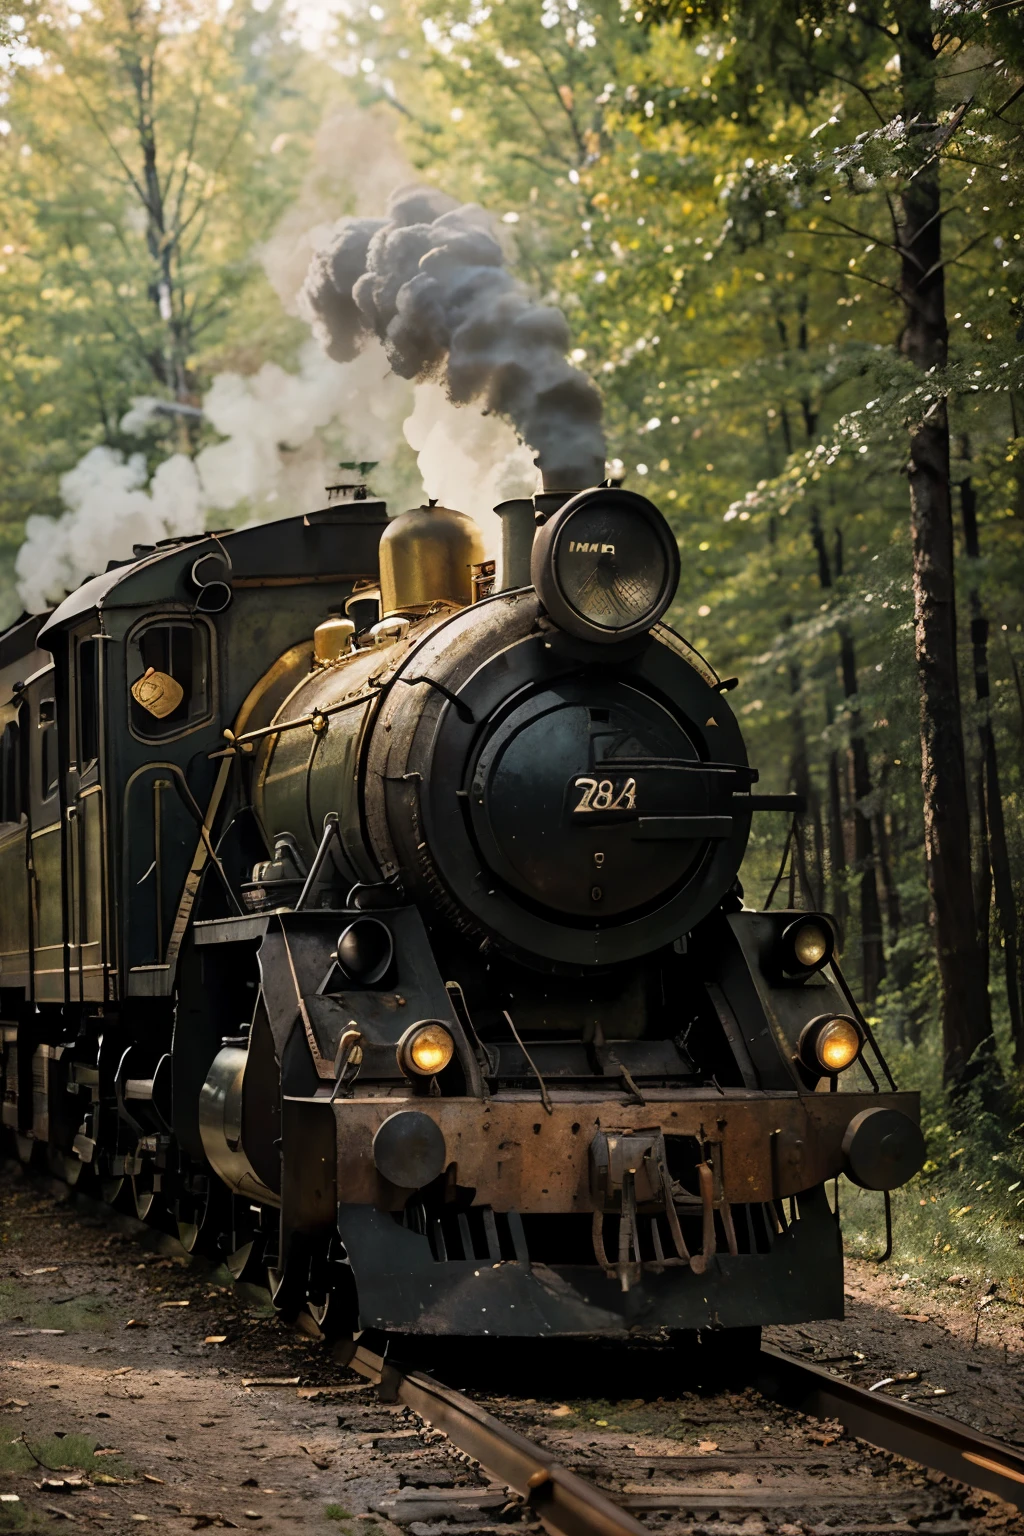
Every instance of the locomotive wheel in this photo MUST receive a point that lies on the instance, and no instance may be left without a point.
(151, 1204)
(115, 1185)
(289, 1281)
(200, 1216)
(64, 1165)
(246, 1261)
(331, 1299)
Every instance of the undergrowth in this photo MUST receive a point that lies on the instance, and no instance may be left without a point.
(964, 1212)
(46, 1454)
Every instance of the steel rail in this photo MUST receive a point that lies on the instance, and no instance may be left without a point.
(566, 1505)
(928, 1438)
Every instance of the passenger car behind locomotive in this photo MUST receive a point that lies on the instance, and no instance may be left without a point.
(371, 918)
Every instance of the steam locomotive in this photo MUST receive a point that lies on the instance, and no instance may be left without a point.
(369, 916)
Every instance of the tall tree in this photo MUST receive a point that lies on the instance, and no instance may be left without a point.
(147, 151)
(798, 52)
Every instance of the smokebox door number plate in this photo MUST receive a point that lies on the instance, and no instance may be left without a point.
(589, 794)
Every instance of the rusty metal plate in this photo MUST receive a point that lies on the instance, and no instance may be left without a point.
(517, 1156)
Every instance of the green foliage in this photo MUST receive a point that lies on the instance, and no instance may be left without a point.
(147, 153)
(21, 1452)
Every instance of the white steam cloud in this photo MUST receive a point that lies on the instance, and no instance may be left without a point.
(280, 432)
(272, 461)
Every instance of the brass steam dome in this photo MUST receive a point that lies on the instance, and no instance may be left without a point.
(427, 556)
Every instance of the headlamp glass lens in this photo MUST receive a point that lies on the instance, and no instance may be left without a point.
(837, 1044)
(430, 1049)
(610, 565)
(810, 944)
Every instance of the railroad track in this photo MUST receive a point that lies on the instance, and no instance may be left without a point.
(613, 1462)
(567, 1504)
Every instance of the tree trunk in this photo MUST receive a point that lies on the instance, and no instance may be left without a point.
(966, 1018)
(836, 842)
(872, 952)
(893, 913)
(872, 947)
(994, 868)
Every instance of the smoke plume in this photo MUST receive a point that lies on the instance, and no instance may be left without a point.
(271, 461)
(429, 282)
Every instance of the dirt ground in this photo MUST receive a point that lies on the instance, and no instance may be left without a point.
(138, 1386)
(956, 1349)
(126, 1359)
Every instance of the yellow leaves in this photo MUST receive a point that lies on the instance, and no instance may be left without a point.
(566, 97)
(667, 302)
(600, 200)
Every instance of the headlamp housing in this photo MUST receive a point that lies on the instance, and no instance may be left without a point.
(605, 565)
(807, 945)
(426, 1048)
(830, 1043)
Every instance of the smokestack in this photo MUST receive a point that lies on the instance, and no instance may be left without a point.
(429, 281)
(518, 526)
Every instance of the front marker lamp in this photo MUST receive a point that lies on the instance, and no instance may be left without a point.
(830, 1044)
(807, 945)
(425, 1049)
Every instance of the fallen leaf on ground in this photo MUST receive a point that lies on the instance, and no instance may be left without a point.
(14, 1403)
(174, 1303)
(216, 1338)
(270, 1381)
(107, 1450)
(136, 1322)
(147, 1477)
(707, 1445)
(47, 1269)
(24, 1333)
(561, 1411)
(10, 1498)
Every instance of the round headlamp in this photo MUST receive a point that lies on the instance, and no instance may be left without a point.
(807, 945)
(425, 1048)
(606, 565)
(830, 1043)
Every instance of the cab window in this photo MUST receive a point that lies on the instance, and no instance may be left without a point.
(168, 678)
(88, 703)
(10, 773)
(48, 762)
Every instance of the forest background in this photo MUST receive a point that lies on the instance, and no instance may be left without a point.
(788, 242)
